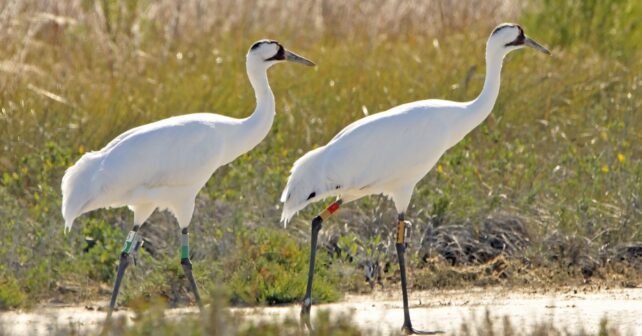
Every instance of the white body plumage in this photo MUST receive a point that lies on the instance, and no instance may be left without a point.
(164, 164)
(389, 152)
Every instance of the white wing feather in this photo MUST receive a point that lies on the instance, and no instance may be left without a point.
(379, 153)
(152, 163)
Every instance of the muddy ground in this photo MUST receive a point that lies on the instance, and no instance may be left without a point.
(568, 309)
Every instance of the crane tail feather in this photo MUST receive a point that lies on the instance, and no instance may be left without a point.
(78, 188)
(307, 184)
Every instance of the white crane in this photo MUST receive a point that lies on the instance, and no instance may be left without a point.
(389, 152)
(164, 164)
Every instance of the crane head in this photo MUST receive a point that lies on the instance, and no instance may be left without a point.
(269, 52)
(509, 36)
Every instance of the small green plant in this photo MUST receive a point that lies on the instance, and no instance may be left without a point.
(102, 249)
(11, 295)
(269, 267)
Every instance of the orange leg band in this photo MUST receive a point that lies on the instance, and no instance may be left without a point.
(401, 232)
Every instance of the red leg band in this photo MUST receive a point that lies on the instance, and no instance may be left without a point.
(330, 210)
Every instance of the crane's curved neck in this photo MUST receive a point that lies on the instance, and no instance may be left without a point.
(486, 99)
(480, 107)
(264, 97)
(254, 128)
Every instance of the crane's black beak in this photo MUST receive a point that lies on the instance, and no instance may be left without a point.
(292, 57)
(529, 42)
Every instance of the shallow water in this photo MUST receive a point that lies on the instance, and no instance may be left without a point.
(444, 310)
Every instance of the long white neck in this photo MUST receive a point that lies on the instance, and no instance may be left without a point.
(478, 109)
(253, 129)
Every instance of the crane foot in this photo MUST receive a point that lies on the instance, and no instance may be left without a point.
(187, 268)
(407, 329)
(305, 314)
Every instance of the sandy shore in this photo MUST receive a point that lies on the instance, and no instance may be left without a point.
(569, 310)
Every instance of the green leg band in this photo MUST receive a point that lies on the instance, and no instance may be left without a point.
(184, 251)
(129, 242)
(184, 244)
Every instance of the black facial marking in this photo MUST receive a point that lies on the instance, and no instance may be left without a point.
(279, 56)
(519, 40)
(257, 44)
(311, 195)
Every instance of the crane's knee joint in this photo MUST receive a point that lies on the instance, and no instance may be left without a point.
(317, 223)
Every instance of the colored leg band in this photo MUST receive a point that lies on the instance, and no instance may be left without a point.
(401, 231)
(184, 246)
(129, 242)
(330, 210)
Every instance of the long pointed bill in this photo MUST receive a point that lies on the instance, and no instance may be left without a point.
(292, 57)
(533, 44)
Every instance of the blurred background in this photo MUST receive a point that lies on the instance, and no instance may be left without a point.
(545, 192)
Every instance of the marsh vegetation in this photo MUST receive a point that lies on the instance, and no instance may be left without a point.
(545, 192)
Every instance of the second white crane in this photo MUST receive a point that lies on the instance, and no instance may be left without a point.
(389, 152)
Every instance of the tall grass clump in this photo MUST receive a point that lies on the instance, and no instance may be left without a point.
(611, 28)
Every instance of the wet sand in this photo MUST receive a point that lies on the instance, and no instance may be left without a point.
(382, 311)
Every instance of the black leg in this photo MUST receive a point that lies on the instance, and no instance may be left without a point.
(316, 227)
(307, 300)
(401, 250)
(132, 243)
(187, 267)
